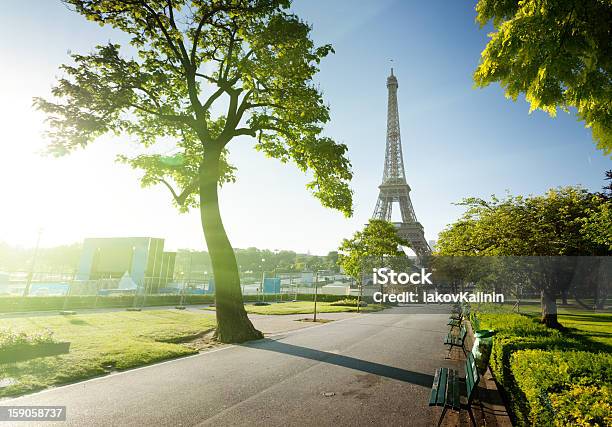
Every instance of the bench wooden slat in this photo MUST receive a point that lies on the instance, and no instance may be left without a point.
(442, 387)
(433, 398)
(471, 376)
(449, 387)
(456, 400)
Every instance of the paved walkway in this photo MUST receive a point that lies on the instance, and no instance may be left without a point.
(369, 369)
(271, 325)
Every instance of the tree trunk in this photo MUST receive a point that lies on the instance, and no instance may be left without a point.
(549, 310)
(604, 278)
(233, 324)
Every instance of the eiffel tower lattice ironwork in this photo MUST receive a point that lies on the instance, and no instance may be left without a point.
(394, 187)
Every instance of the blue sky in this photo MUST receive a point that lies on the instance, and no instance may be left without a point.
(458, 141)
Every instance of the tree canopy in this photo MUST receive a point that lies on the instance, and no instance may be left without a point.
(547, 225)
(369, 247)
(546, 232)
(557, 53)
(251, 55)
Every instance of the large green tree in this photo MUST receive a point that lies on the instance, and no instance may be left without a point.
(557, 53)
(541, 228)
(251, 59)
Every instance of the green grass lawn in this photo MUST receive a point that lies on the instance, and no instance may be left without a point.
(303, 307)
(101, 343)
(596, 326)
(591, 329)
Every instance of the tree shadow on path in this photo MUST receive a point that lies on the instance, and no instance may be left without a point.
(418, 378)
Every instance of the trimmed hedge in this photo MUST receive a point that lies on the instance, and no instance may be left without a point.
(563, 387)
(583, 406)
(538, 371)
(346, 302)
(516, 332)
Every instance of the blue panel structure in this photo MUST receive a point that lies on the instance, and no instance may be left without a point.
(272, 285)
(143, 258)
(211, 287)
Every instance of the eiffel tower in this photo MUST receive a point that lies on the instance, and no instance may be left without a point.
(394, 187)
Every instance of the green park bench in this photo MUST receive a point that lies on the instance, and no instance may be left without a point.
(446, 390)
(455, 322)
(456, 340)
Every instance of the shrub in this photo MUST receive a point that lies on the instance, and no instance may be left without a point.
(9, 338)
(348, 302)
(321, 297)
(513, 332)
(548, 383)
(583, 406)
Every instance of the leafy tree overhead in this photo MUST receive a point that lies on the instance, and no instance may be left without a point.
(557, 53)
(536, 226)
(369, 247)
(250, 58)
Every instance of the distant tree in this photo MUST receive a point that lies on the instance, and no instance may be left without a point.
(369, 247)
(331, 261)
(557, 53)
(59, 259)
(253, 54)
(607, 189)
(541, 227)
(598, 225)
(192, 265)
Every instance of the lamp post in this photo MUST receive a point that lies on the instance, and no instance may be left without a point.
(263, 279)
(26, 290)
(315, 296)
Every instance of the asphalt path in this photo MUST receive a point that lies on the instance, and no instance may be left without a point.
(371, 369)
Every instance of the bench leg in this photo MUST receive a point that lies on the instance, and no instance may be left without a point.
(442, 416)
(471, 415)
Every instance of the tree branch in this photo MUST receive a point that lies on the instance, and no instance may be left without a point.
(180, 198)
(169, 117)
(245, 131)
(210, 79)
(212, 98)
(223, 76)
(163, 29)
(180, 41)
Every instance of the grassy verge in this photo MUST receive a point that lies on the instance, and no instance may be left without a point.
(304, 307)
(595, 326)
(11, 304)
(545, 371)
(101, 343)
